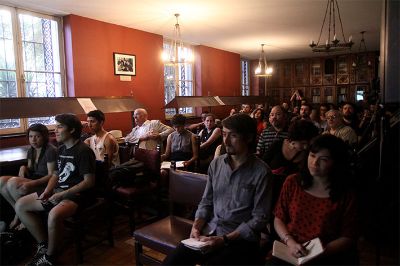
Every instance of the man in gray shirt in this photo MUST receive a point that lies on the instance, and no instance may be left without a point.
(236, 203)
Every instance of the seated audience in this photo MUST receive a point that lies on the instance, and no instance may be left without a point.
(305, 112)
(285, 156)
(323, 108)
(349, 116)
(235, 204)
(338, 129)
(246, 109)
(258, 115)
(295, 111)
(147, 133)
(181, 144)
(67, 191)
(35, 175)
(197, 127)
(276, 130)
(285, 107)
(210, 138)
(318, 203)
(233, 111)
(102, 142)
(315, 118)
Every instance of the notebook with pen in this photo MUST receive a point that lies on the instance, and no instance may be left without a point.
(281, 251)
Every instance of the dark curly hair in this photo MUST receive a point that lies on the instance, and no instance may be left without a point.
(72, 122)
(302, 130)
(340, 174)
(97, 114)
(178, 120)
(42, 129)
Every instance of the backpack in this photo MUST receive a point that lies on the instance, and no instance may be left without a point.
(127, 174)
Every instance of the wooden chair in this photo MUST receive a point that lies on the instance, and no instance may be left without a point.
(185, 188)
(131, 195)
(94, 221)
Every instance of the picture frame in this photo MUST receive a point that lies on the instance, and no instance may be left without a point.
(124, 64)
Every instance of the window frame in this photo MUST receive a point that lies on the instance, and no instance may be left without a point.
(178, 81)
(245, 73)
(19, 62)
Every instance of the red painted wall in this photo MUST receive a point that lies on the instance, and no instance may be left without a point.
(90, 45)
(217, 74)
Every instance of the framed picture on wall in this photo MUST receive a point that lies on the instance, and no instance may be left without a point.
(124, 64)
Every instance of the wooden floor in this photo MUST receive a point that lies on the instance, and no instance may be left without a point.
(123, 251)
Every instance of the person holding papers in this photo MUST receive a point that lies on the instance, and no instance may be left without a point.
(317, 203)
(235, 204)
(181, 144)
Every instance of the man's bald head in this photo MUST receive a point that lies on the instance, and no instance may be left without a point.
(140, 116)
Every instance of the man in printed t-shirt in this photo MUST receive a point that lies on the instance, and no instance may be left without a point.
(67, 191)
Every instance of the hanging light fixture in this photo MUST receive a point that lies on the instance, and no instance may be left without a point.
(361, 60)
(176, 52)
(262, 69)
(332, 44)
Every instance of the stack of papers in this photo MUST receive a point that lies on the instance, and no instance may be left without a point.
(194, 244)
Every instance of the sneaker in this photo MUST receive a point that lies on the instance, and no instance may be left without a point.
(43, 261)
(40, 251)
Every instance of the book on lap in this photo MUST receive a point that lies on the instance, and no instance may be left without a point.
(282, 251)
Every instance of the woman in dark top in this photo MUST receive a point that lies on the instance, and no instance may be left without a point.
(35, 175)
(285, 156)
(181, 144)
(210, 138)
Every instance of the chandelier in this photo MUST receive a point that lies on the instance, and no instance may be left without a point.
(262, 69)
(175, 52)
(361, 60)
(332, 44)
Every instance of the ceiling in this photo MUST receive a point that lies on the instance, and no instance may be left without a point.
(239, 26)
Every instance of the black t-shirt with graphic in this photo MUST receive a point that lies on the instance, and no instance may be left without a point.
(74, 163)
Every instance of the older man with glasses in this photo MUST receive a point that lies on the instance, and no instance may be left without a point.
(338, 129)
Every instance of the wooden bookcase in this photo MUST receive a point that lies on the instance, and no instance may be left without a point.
(328, 79)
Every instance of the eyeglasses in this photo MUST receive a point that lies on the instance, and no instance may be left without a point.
(331, 117)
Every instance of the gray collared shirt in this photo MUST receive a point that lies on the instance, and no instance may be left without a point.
(237, 200)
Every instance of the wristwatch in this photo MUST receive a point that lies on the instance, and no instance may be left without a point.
(226, 240)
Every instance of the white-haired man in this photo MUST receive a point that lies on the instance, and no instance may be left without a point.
(148, 133)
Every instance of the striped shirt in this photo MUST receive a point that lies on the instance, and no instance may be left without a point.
(267, 137)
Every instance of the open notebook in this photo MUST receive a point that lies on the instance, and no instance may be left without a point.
(282, 252)
(167, 165)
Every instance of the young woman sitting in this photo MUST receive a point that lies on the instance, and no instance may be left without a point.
(318, 202)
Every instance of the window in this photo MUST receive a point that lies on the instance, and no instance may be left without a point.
(178, 80)
(245, 77)
(30, 61)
